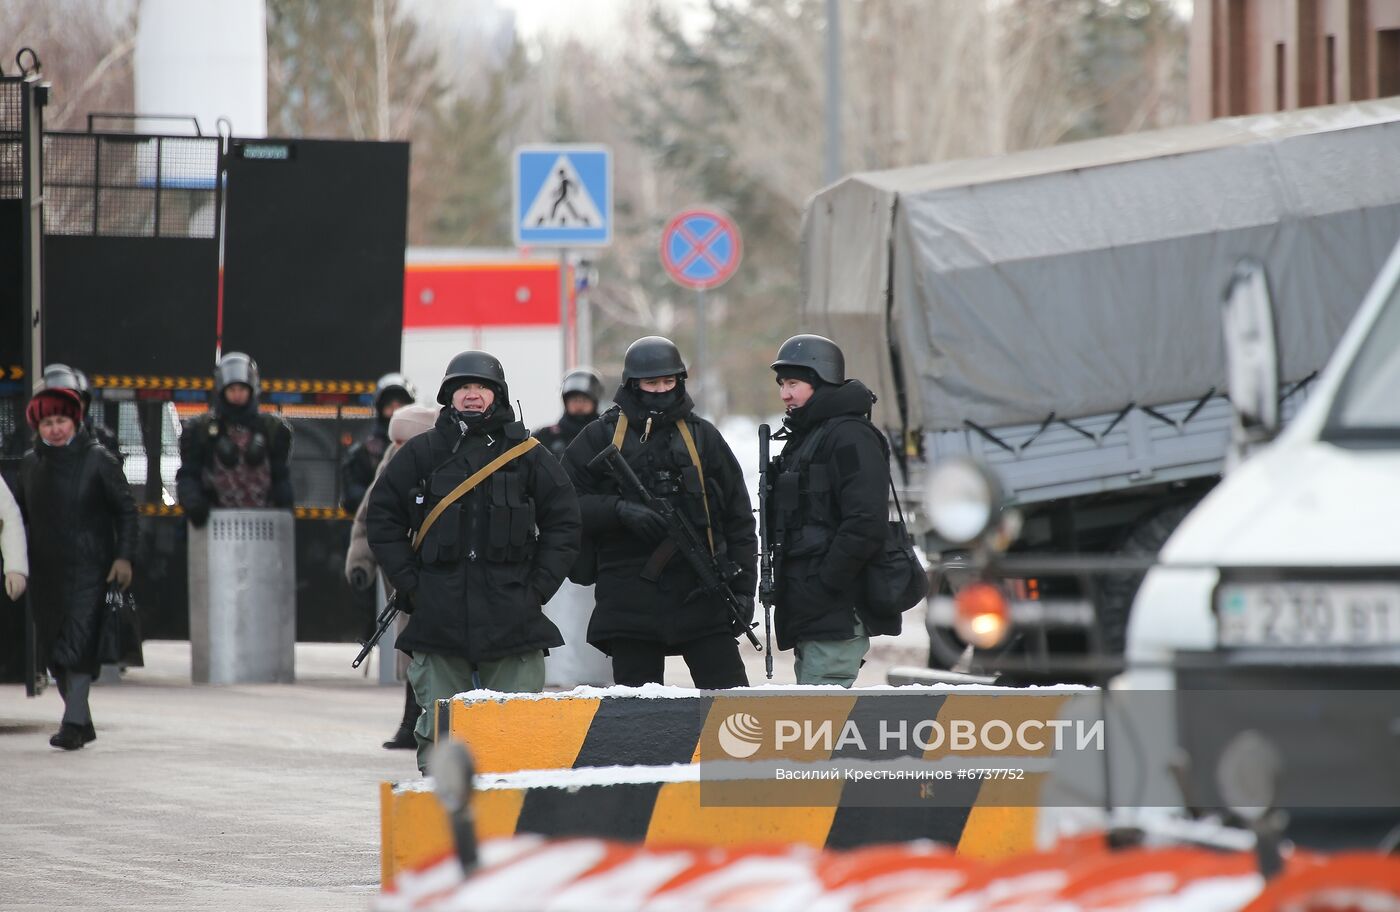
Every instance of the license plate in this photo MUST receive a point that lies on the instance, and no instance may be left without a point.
(1309, 614)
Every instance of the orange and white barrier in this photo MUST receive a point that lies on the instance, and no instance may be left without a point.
(574, 875)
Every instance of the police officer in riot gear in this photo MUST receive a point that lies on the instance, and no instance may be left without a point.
(581, 391)
(233, 456)
(390, 392)
(648, 604)
(475, 526)
(61, 376)
(829, 508)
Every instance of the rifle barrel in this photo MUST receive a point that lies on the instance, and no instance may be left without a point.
(386, 617)
(689, 543)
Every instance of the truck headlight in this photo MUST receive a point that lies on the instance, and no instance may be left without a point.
(961, 499)
(981, 616)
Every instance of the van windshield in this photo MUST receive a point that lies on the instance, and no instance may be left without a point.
(1367, 408)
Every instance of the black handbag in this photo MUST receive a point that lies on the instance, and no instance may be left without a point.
(119, 635)
(895, 578)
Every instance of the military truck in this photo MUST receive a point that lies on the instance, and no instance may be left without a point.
(1056, 315)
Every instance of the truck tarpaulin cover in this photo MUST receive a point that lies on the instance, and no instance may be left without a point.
(1079, 278)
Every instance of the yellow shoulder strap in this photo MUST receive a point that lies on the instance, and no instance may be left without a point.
(704, 495)
(621, 431)
(476, 478)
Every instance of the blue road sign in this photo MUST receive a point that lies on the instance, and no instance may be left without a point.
(563, 196)
(701, 248)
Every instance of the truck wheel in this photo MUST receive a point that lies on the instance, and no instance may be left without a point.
(1116, 591)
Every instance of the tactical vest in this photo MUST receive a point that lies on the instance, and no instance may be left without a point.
(667, 470)
(236, 461)
(805, 511)
(495, 523)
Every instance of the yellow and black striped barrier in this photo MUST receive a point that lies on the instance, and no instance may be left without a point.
(151, 382)
(320, 513)
(667, 806)
(272, 385)
(160, 509)
(625, 763)
(318, 386)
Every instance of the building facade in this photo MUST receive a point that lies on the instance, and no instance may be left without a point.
(1257, 56)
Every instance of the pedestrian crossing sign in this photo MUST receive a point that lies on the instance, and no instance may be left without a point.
(563, 196)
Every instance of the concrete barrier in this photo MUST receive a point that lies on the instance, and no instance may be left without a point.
(657, 726)
(661, 806)
(626, 764)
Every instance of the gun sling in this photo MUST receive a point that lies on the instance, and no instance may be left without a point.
(667, 549)
(477, 477)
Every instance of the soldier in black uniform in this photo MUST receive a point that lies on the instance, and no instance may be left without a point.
(233, 456)
(475, 578)
(581, 391)
(390, 392)
(648, 602)
(829, 507)
(61, 376)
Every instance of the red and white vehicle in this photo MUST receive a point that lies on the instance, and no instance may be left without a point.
(494, 299)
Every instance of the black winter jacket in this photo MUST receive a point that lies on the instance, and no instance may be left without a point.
(493, 558)
(661, 611)
(80, 516)
(833, 519)
(361, 461)
(557, 437)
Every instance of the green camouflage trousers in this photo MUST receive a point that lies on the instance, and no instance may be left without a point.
(438, 677)
(831, 661)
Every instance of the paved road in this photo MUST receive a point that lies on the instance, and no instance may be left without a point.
(194, 798)
(222, 798)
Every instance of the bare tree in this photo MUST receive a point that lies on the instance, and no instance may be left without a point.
(85, 47)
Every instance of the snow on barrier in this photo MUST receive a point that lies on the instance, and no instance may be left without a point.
(655, 725)
(664, 806)
(626, 763)
(589, 874)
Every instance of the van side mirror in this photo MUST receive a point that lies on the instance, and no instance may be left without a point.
(1251, 357)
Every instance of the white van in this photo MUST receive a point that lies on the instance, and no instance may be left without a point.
(1291, 565)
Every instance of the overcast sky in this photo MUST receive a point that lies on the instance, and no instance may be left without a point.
(587, 19)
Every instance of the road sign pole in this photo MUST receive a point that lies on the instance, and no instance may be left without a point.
(564, 330)
(583, 312)
(702, 351)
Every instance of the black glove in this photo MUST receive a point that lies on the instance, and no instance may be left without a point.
(359, 579)
(403, 598)
(198, 514)
(642, 521)
(745, 621)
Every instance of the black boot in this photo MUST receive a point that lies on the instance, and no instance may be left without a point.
(69, 737)
(89, 733)
(403, 739)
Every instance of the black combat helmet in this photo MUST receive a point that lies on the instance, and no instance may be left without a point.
(61, 376)
(236, 367)
(395, 386)
(582, 380)
(652, 356)
(84, 388)
(473, 365)
(815, 353)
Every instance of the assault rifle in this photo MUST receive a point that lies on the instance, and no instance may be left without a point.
(714, 580)
(386, 617)
(769, 550)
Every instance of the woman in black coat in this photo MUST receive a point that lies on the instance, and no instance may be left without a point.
(82, 535)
